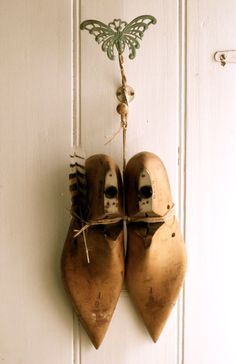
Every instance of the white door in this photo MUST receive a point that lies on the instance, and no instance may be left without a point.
(58, 87)
(210, 317)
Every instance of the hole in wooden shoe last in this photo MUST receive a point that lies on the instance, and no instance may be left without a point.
(111, 192)
(145, 191)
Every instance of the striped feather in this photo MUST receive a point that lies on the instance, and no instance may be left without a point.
(78, 183)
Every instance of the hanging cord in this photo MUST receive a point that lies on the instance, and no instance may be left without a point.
(122, 109)
(122, 71)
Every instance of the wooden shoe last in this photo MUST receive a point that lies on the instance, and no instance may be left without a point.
(156, 257)
(94, 287)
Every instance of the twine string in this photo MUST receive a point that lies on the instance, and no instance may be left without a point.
(122, 71)
(122, 109)
(147, 219)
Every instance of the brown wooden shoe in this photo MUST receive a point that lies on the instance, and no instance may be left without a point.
(94, 286)
(156, 257)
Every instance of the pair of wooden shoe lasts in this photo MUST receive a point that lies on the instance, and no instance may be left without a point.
(155, 260)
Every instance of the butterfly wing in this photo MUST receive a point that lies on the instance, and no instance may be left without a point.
(108, 47)
(103, 34)
(134, 31)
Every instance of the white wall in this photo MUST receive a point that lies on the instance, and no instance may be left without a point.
(58, 86)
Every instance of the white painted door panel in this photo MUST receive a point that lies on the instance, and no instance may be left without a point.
(210, 317)
(35, 318)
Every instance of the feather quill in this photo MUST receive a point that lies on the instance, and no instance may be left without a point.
(78, 189)
(78, 183)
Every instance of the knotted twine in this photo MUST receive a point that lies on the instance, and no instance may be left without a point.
(106, 221)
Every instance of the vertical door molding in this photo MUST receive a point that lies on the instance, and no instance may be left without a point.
(76, 132)
(182, 97)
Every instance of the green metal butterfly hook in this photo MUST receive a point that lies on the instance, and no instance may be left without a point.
(118, 34)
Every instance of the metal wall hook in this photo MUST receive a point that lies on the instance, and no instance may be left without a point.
(225, 57)
(119, 34)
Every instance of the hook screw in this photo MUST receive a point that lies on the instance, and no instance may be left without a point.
(122, 94)
(223, 59)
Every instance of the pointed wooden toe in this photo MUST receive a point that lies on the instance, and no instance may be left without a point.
(94, 287)
(156, 257)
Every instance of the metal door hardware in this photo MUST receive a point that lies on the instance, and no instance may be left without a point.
(225, 57)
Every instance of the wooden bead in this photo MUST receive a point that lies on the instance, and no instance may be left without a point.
(122, 109)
